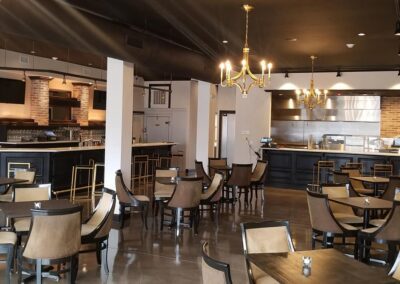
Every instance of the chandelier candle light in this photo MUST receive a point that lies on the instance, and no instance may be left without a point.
(239, 79)
(312, 97)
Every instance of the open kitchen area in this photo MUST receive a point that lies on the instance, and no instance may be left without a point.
(205, 141)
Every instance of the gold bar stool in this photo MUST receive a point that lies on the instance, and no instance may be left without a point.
(177, 160)
(76, 170)
(384, 170)
(94, 185)
(165, 162)
(354, 165)
(321, 167)
(154, 160)
(140, 171)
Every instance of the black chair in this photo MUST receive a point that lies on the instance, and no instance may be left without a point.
(214, 271)
(258, 177)
(240, 178)
(200, 172)
(212, 196)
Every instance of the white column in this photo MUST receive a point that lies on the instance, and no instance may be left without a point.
(203, 122)
(119, 110)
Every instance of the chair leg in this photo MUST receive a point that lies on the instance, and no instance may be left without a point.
(105, 257)
(19, 264)
(313, 242)
(161, 216)
(145, 210)
(38, 271)
(178, 221)
(121, 216)
(9, 262)
(98, 253)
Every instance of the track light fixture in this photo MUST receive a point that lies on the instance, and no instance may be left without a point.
(95, 85)
(286, 74)
(338, 74)
(24, 77)
(64, 82)
(398, 74)
(397, 31)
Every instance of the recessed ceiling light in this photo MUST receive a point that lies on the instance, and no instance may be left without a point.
(350, 45)
(54, 58)
(361, 34)
(224, 41)
(90, 64)
(291, 39)
(33, 52)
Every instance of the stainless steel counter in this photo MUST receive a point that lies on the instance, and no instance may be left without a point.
(346, 151)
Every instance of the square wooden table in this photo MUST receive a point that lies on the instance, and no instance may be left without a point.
(360, 203)
(328, 266)
(374, 180)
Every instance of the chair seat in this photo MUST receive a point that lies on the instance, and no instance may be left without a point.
(348, 227)
(6, 198)
(142, 198)
(22, 225)
(163, 193)
(8, 238)
(86, 229)
(348, 218)
(377, 222)
(370, 230)
(260, 276)
(364, 191)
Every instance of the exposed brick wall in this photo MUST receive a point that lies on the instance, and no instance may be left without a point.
(81, 92)
(40, 100)
(390, 116)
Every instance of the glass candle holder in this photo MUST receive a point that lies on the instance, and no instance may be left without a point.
(306, 265)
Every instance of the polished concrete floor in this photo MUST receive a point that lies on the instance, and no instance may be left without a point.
(137, 255)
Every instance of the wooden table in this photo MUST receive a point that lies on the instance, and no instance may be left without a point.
(9, 182)
(374, 180)
(224, 168)
(359, 203)
(23, 209)
(167, 180)
(328, 266)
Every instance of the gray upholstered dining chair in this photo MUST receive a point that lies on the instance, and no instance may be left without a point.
(388, 233)
(214, 271)
(29, 175)
(323, 222)
(216, 162)
(186, 197)
(59, 244)
(240, 179)
(257, 178)
(212, 196)
(200, 172)
(127, 199)
(265, 237)
(163, 191)
(7, 247)
(97, 228)
(342, 213)
(390, 192)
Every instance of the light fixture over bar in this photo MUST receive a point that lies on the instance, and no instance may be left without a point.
(229, 79)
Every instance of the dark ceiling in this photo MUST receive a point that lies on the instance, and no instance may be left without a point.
(183, 39)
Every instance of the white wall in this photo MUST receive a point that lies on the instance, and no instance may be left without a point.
(226, 99)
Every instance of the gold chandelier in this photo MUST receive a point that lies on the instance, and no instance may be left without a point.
(312, 97)
(239, 80)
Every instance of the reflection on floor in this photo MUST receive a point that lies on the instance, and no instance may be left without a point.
(140, 256)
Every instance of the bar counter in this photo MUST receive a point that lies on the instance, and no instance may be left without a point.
(293, 167)
(54, 165)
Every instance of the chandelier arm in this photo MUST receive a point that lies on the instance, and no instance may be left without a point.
(239, 86)
(238, 75)
(252, 76)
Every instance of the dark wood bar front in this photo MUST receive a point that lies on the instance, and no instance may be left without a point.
(293, 168)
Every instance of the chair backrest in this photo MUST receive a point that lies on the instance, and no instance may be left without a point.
(321, 216)
(54, 234)
(214, 191)
(390, 230)
(355, 165)
(337, 191)
(171, 172)
(214, 271)
(215, 162)
(340, 177)
(266, 237)
(29, 175)
(383, 169)
(200, 172)
(123, 193)
(31, 192)
(187, 193)
(241, 175)
(395, 270)
(390, 192)
(259, 171)
(101, 219)
(353, 172)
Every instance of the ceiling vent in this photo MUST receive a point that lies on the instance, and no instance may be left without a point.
(134, 42)
(24, 59)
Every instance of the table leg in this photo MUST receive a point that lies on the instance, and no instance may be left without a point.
(375, 189)
(366, 219)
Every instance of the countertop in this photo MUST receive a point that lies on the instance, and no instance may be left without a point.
(39, 142)
(83, 148)
(354, 152)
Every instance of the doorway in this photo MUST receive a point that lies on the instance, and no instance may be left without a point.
(157, 128)
(226, 140)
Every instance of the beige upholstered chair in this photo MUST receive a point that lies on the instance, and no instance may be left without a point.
(240, 178)
(186, 196)
(342, 213)
(127, 199)
(324, 223)
(395, 270)
(357, 185)
(7, 247)
(214, 271)
(257, 178)
(59, 244)
(28, 175)
(200, 172)
(265, 237)
(163, 191)
(390, 192)
(97, 228)
(216, 162)
(29, 192)
(388, 233)
(212, 195)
